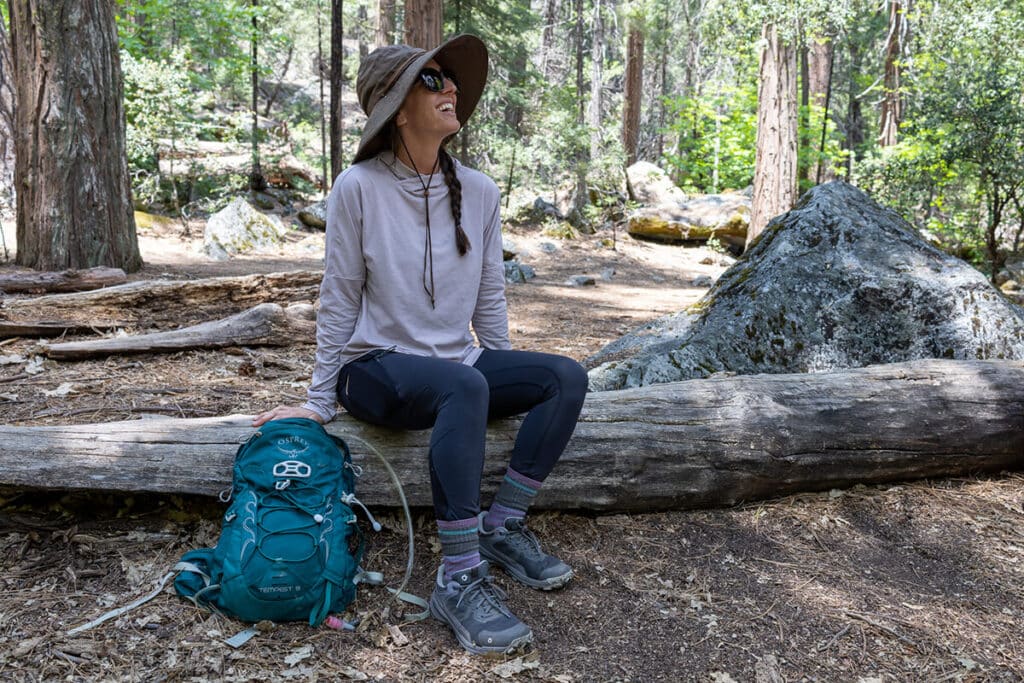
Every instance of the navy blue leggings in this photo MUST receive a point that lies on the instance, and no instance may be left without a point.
(416, 392)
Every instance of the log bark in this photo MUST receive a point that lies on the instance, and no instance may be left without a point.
(263, 325)
(165, 303)
(63, 281)
(697, 443)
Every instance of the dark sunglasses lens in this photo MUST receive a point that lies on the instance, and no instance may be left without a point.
(433, 80)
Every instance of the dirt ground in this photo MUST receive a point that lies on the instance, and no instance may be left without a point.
(911, 582)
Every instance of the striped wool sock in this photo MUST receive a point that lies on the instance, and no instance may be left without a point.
(513, 499)
(460, 545)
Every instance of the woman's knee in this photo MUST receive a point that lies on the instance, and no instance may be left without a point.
(572, 378)
(467, 386)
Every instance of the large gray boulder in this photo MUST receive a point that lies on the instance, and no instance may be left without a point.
(239, 228)
(650, 185)
(838, 282)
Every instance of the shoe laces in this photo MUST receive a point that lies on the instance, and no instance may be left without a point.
(485, 597)
(525, 541)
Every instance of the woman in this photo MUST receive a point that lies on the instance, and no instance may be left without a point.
(414, 260)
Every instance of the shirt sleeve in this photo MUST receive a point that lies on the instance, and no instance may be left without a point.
(341, 293)
(490, 318)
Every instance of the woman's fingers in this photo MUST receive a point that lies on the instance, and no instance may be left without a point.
(281, 412)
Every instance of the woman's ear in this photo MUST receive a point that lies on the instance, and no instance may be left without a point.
(401, 119)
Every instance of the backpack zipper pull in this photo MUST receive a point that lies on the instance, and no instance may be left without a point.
(350, 499)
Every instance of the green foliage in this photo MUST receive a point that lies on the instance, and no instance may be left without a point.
(156, 99)
(717, 138)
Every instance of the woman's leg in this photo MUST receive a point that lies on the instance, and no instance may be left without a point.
(414, 392)
(550, 389)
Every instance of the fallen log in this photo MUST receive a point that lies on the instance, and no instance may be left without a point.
(63, 281)
(263, 325)
(689, 444)
(166, 303)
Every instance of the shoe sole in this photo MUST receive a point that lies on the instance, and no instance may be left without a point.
(439, 612)
(519, 575)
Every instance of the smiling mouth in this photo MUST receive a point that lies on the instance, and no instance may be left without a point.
(446, 108)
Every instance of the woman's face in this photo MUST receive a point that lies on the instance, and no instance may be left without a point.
(425, 114)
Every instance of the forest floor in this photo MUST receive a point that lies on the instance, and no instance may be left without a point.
(918, 581)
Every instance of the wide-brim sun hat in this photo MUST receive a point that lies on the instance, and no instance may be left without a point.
(387, 74)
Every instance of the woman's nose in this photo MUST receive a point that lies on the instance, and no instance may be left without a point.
(450, 85)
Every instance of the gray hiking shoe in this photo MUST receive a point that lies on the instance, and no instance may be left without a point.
(475, 610)
(515, 549)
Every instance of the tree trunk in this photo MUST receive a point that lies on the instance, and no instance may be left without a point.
(64, 281)
(263, 325)
(337, 87)
(547, 40)
(363, 20)
(690, 444)
(775, 165)
(166, 303)
(74, 198)
(819, 73)
(423, 19)
(854, 135)
(596, 80)
(633, 93)
(7, 99)
(385, 22)
(891, 104)
(580, 195)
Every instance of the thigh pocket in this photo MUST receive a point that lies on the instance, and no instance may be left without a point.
(367, 391)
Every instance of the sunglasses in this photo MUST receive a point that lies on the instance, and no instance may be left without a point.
(433, 80)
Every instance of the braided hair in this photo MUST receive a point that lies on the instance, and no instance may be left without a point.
(455, 196)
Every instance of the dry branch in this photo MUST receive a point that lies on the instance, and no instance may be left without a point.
(263, 325)
(63, 281)
(696, 443)
(163, 303)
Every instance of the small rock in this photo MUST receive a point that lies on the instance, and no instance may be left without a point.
(702, 281)
(1010, 286)
(580, 281)
(708, 261)
(508, 249)
(607, 274)
(548, 247)
(516, 272)
(239, 228)
(546, 208)
(315, 215)
(263, 200)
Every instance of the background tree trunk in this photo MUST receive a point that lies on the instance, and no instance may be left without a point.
(7, 100)
(423, 19)
(633, 92)
(74, 197)
(891, 105)
(819, 73)
(547, 40)
(337, 85)
(580, 198)
(775, 165)
(596, 80)
(385, 23)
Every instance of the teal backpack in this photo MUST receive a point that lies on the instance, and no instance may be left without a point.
(290, 545)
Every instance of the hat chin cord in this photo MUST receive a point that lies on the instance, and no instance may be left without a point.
(428, 247)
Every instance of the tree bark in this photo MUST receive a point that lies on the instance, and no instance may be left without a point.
(64, 281)
(166, 303)
(596, 80)
(633, 93)
(74, 198)
(547, 40)
(819, 72)
(423, 19)
(689, 444)
(337, 88)
(775, 165)
(891, 113)
(263, 325)
(385, 22)
(7, 100)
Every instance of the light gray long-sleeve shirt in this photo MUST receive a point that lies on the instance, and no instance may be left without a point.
(373, 296)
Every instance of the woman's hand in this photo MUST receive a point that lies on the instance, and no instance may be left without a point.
(282, 412)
